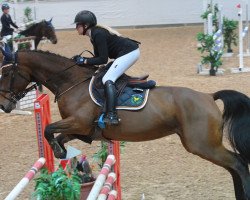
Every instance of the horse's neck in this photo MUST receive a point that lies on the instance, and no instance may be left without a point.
(33, 31)
(49, 72)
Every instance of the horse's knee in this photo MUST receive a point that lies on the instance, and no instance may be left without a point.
(48, 133)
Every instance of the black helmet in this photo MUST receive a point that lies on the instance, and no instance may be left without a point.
(5, 6)
(86, 17)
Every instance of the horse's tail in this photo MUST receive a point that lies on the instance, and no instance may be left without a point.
(236, 118)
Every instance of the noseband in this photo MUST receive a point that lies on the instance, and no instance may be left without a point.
(15, 96)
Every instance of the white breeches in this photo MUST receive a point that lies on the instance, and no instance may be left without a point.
(120, 65)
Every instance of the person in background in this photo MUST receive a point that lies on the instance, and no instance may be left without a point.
(7, 22)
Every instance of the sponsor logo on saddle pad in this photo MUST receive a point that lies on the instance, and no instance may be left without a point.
(137, 99)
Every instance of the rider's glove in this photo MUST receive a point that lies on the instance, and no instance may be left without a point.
(80, 60)
(75, 57)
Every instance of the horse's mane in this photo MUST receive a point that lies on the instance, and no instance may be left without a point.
(31, 28)
(55, 55)
(44, 52)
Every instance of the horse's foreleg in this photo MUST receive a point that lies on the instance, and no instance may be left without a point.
(64, 126)
(64, 138)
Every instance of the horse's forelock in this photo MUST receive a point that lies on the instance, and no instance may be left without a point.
(49, 23)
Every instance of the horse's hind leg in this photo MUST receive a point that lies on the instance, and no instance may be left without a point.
(207, 143)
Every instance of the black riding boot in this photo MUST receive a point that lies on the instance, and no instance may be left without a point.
(110, 117)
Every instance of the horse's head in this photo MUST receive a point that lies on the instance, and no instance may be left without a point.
(13, 83)
(48, 31)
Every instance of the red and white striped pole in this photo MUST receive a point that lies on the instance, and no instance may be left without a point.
(112, 195)
(26, 179)
(107, 187)
(101, 178)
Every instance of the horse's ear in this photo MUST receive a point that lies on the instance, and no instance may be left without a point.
(51, 19)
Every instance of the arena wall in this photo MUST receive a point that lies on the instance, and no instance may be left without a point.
(123, 13)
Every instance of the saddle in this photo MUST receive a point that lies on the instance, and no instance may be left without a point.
(132, 92)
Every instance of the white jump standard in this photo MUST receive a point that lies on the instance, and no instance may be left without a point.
(242, 34)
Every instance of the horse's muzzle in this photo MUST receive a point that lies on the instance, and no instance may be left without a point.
(54, 41)
(8, 108)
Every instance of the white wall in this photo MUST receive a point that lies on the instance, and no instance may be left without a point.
(124, 12)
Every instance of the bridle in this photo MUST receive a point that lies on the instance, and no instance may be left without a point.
(16, 96)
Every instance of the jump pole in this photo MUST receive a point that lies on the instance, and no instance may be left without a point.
(100, 180)
(26, 179)
(247, 53)
(242, 34)
(114, 149)
(111, 188)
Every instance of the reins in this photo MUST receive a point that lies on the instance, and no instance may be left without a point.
(58, 95)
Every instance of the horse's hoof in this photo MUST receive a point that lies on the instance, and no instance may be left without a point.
(60, 155)
(59, 152)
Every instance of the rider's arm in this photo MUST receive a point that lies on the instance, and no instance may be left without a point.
(12, 23)
(101, 53)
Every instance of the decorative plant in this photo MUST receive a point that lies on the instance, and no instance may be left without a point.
(27, 15)
(58, 185)
(101, 155)
(63, 184)
(230, 37)
(213, 55)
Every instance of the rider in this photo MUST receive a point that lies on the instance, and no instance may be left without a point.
(7, 21)
(107, 43)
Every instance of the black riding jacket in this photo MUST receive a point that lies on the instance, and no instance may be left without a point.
(107, 45)
(6, 22)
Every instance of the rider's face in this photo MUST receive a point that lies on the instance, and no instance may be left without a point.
(79, 29)
(6, 11)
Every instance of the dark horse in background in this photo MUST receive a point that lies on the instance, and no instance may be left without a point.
(43, 29)
(193, 116)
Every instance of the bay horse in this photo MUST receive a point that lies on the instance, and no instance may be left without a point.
(40, 30)
(193, 116)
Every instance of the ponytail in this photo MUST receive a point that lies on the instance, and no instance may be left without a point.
(109, 29)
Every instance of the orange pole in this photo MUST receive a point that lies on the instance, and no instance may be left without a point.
(43, 118)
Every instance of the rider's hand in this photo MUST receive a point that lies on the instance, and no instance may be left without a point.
(80, 60)
(75, 57)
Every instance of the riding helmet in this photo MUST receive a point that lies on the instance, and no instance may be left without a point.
(86, 17)
(5, 6)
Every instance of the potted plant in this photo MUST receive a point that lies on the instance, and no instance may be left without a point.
(57, 185)
(213, 55)
(230, 37)
(74, 182)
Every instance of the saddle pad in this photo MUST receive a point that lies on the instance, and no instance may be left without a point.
(129, 99)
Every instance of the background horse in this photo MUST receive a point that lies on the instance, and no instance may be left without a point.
(192, 115)
(40, 30)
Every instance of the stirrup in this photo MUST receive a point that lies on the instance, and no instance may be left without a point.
(111, 118)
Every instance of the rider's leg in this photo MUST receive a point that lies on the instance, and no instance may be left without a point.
(110, 99)
(119, 66)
